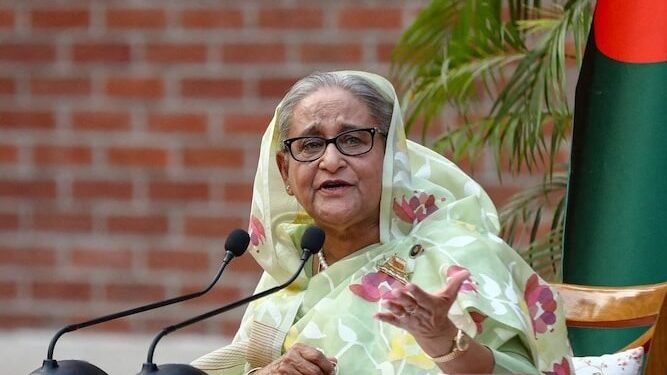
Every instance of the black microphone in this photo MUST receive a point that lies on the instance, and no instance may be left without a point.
(235, 245)
(311, 243)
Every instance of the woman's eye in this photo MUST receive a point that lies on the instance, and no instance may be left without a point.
(310, 145)
(351, 140)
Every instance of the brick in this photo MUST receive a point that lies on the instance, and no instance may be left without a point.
(60, 86)
(137, 157)
(212, 87)
(238, 192)
(178, 260)
(501, 194)
(102, 258)
(26, 119)
(118, 325)
(384, 52)
(137, 224)
(62, 221)
(246, 123)
(7, 18)
(157, 324)
(291, 18)
(362, 18)
(176, 52)
(253, 52)
(183, 122)
(135, 87)
(247, 265)
(32, 256)
(28, 188)
(10, 320)
(213, 157)
(8, 289)
(179, 191)
(61, 290)
(102, 52)
(228, 327)
(331, 52)
(59, 18)
(134, 292)
(218, 295)
(211, 18)
(44, 154)
(9, 221)
(102, 189)
(275, 87)
(133, 18)
(211, 226)
(7, 86)
(8, 154)
(27, 52)
(100, 120)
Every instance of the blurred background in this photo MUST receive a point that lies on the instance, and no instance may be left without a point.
(129, 135)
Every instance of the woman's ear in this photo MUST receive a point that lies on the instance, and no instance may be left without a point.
(282, 161)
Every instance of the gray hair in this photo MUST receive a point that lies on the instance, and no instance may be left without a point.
(380, 107)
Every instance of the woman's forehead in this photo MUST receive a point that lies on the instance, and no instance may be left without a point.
(329, 110)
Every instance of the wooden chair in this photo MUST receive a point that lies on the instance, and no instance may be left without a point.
(616, 307)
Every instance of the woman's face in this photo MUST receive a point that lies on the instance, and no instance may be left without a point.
(338, 191)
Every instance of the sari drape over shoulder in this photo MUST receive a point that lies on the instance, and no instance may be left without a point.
(434, 221)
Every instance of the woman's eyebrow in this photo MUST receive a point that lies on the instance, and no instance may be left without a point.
(350, 126)
(311, 129)
(315, 129)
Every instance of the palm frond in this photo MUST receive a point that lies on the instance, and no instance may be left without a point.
(522, 219)
(538, 86)
(509, 58)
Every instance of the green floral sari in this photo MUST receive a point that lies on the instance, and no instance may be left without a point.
(434, 220)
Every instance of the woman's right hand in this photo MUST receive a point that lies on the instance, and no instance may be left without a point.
(302, 360)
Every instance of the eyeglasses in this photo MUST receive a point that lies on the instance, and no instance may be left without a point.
(351, 143)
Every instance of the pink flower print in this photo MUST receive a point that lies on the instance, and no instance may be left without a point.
(416, 209)
(562, 368)
(479, 319)
(468, 284)
(375, 286)
(256, 230)
(541, 304)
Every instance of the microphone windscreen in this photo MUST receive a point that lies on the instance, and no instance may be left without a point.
(237, 242)
(313, 239)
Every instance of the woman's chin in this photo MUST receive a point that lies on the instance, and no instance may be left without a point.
(336, 217)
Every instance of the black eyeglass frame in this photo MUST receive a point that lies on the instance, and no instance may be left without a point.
(287, 144)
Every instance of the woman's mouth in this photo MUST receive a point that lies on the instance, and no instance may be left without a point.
(334, 185)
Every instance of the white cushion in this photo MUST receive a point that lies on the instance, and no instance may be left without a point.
(628, 362)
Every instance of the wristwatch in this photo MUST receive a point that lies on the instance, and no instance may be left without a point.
(461, 344)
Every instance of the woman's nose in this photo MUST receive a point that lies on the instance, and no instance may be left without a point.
(332, 159)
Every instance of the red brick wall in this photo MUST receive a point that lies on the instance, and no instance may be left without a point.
(129, 135)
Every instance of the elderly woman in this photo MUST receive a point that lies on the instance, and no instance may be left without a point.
(412, 277)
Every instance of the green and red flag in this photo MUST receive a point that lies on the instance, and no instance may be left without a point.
(616, 219)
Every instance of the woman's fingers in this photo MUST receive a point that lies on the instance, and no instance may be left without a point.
(316, 357)
(301, 359)
(454, 283)
(420, 312)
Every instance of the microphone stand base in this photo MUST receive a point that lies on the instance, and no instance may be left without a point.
(67, 367)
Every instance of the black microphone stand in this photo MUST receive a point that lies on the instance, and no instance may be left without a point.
(236, 244)
(312, 235)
